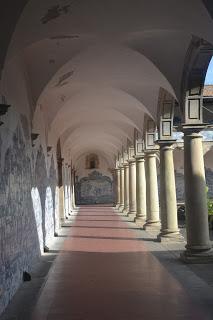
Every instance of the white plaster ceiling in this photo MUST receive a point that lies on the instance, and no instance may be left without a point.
(95, 67)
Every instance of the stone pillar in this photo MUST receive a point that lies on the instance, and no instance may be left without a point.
(69, 191)
(132, 187)
(198, 248)
(168, 201)
(61, 204)
(118, 183)
(140, 190)
(152, 199)
(66, 191)
(73, 190)
(121, 207)
(61, 190)
(126, 188)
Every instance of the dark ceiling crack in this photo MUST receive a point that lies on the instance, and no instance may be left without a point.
(63, 79)
(64, 37)
(54, 12)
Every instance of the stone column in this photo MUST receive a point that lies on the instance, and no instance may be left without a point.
(61, 190)
(61, 204)
(168, 201)
(198, 248)
(140, 190)
(66, 191)
(126, 188)
(152, 199)
(69, 191)
(121, 207)
(118, 183)
(73, 190)
(132, 187)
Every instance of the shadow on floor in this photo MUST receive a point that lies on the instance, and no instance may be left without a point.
(27, 295)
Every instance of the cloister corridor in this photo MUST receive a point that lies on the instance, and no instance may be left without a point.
(108, 268)
(106, 159)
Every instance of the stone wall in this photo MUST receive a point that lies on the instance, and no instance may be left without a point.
(94, 189)
(27, 206)
(179, 179)
(209, 182)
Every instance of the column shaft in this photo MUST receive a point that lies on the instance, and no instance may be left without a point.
(73, 191)
(126, 188)
(118, 183)
(140, 189)
(168, 201)
(61, 204)
(198, 242)
(152, 199)
(132, 187)
(121, 207)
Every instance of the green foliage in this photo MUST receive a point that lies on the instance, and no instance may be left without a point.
(210, 209)
(210, 203)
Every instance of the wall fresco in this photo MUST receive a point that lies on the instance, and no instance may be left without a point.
(19, 246)
(27, 209)
(94, 189)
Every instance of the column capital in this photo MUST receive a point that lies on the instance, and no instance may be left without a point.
(131, 161)
(60, 161)
(166, 144)
(151, 154)
(140, 157)
(195, 128)
(193, 135)
(126, 164)
(121, 166)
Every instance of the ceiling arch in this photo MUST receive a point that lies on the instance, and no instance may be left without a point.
(99, 153)
(46, 19)
(111, 128)
(95, 80)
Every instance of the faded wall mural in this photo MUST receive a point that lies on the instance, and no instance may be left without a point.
(179, 180)
(94, 189)
(27, 207)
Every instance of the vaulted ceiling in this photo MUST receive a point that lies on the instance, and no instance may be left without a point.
(95, 67)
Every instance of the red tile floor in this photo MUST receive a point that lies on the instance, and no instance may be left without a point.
(105, 272)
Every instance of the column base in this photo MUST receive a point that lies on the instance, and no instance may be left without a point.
(117, 209)
(197, 258)
(121, 208)
(46, 249)
(132, 214)
(170, 237)
(140, 220)
(152, 225)
(125, 211)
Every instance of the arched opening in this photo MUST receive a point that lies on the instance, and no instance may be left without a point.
(80, 79)
(209, 74)
(92, 161)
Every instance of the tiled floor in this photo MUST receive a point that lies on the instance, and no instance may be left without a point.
(106, 271)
